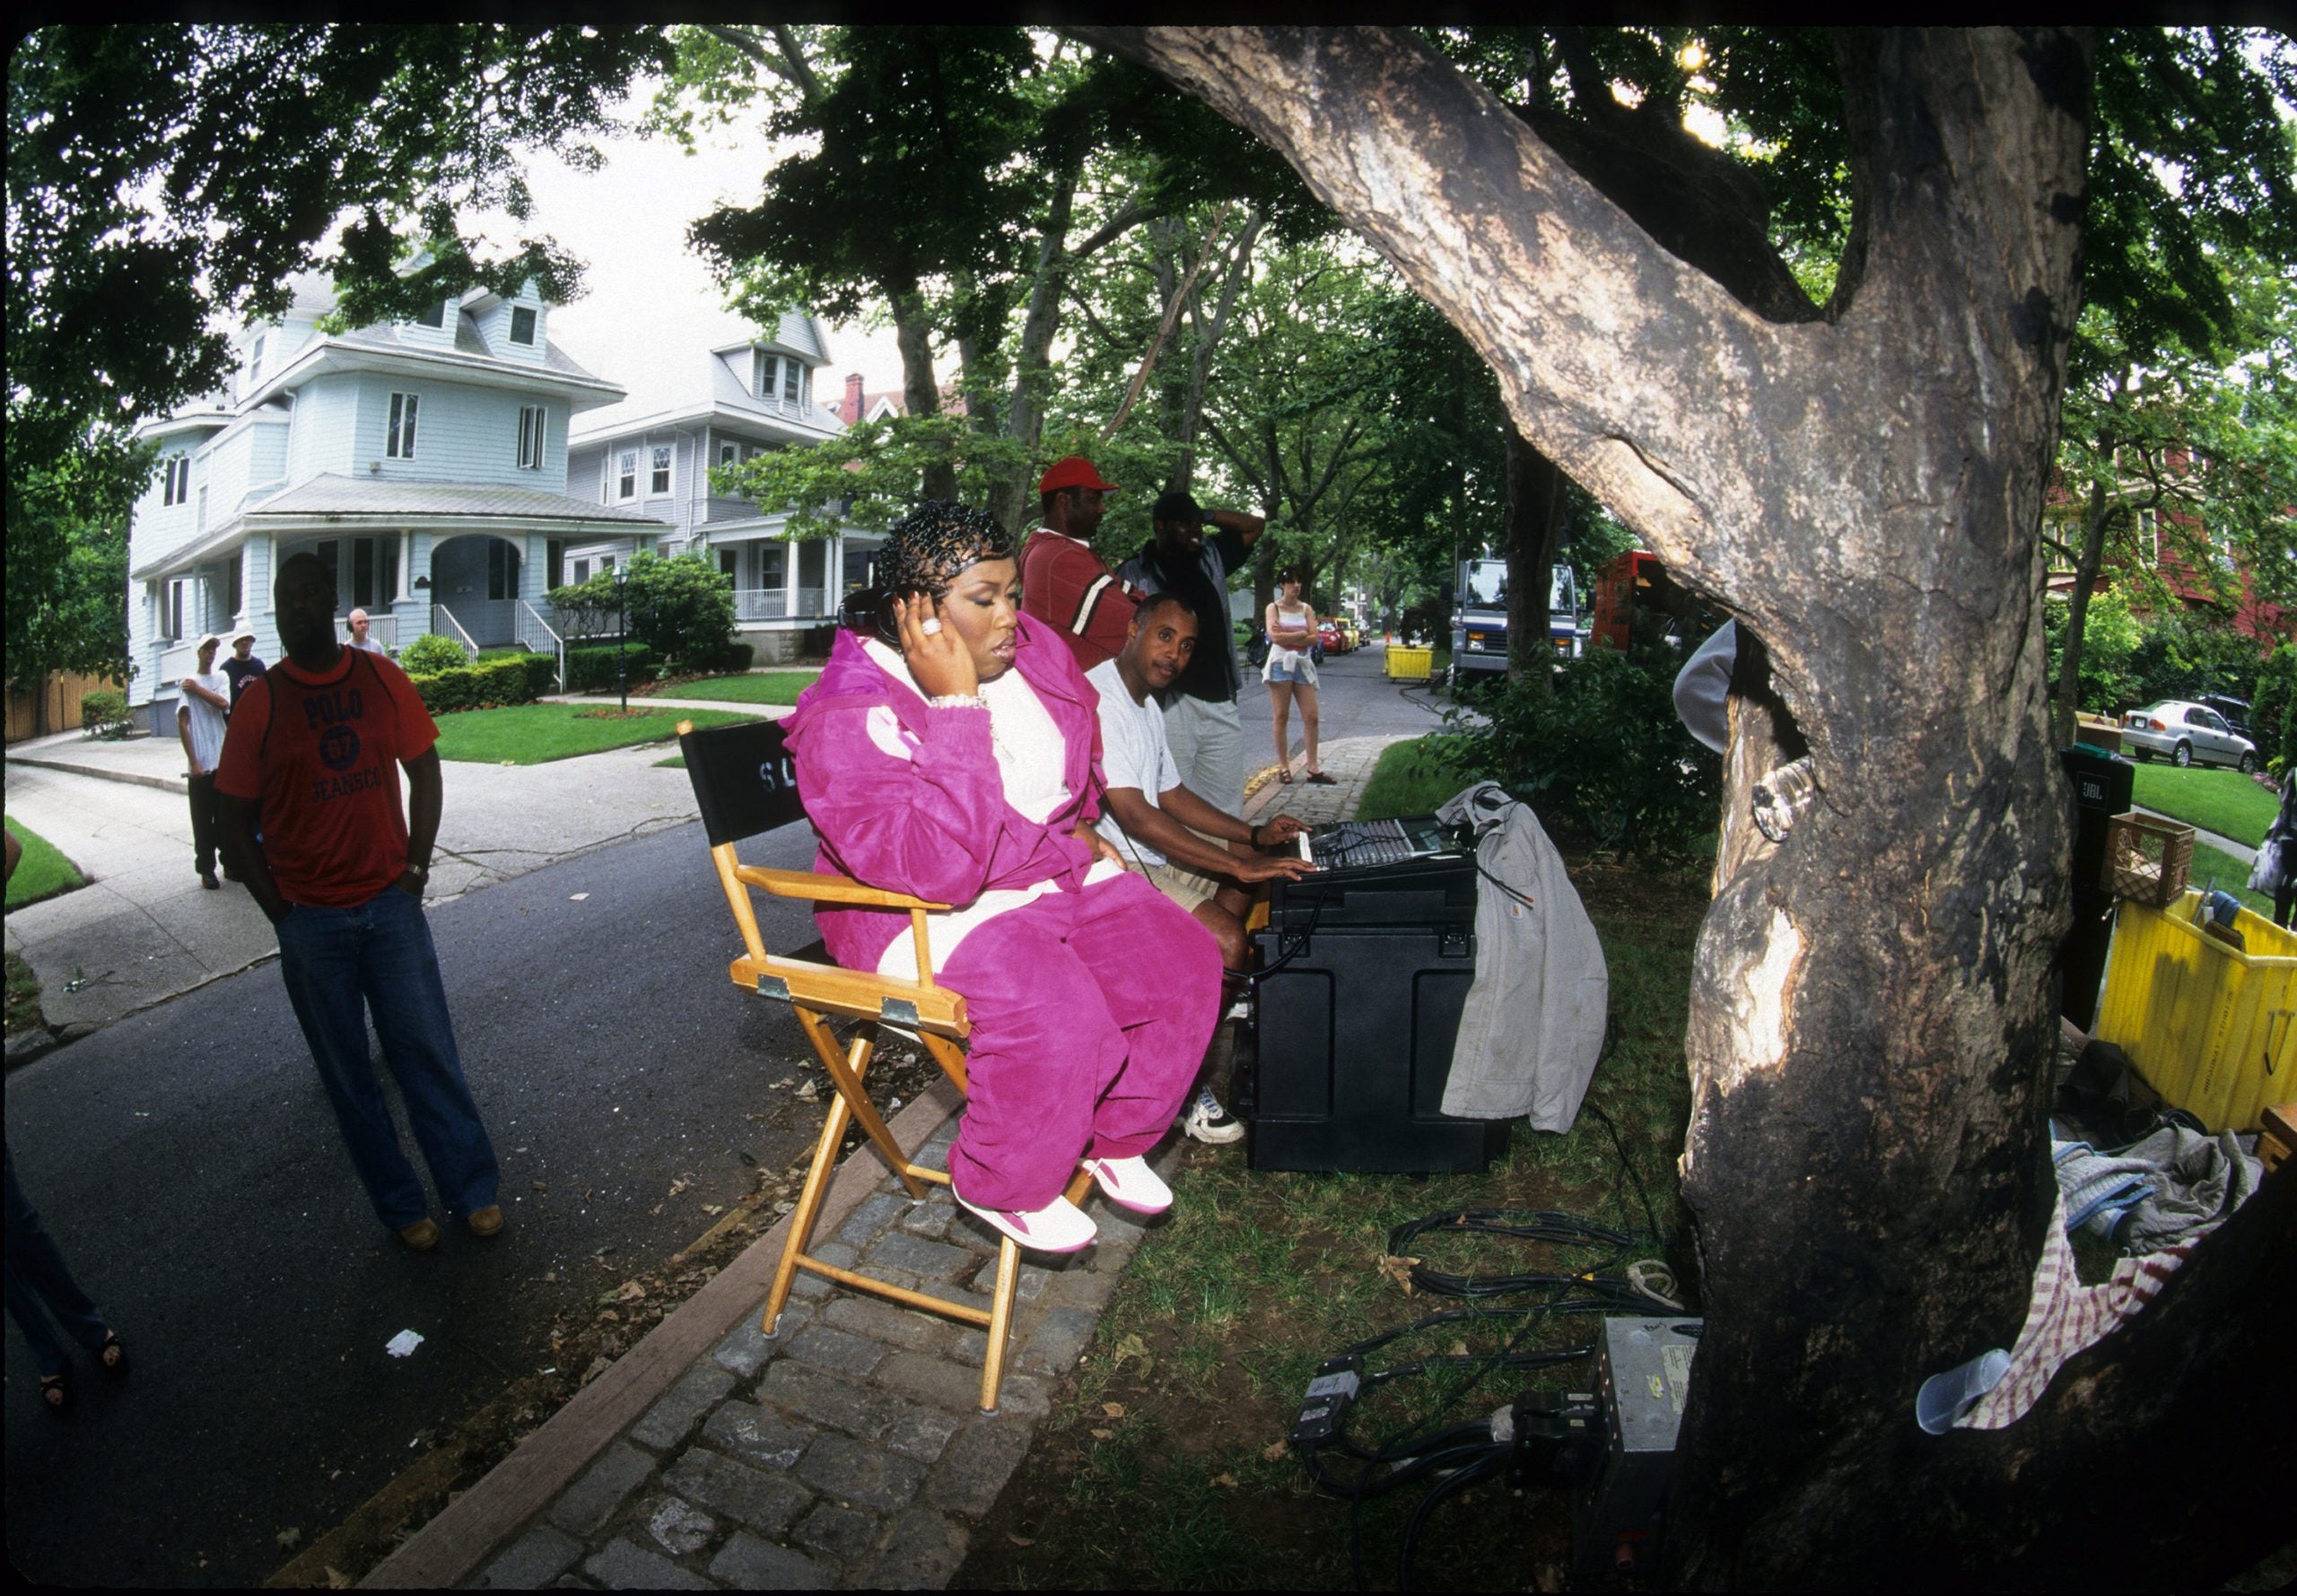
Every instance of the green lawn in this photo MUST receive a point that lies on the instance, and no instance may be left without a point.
(2230, 876)
(534, 733)
(42, 873)
(2223, 801)
(772, 686)
(1407, 782)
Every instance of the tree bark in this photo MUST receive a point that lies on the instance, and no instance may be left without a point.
(1870, 1037)
(921, 394)
(1534, 523)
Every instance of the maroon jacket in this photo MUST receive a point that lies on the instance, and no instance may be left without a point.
(935, 824)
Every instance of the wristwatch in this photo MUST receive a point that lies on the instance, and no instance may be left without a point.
(419, 872)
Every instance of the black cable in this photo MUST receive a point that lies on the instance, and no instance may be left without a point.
(1474, 1473)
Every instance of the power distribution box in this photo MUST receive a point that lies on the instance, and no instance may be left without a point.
(1643, 1375)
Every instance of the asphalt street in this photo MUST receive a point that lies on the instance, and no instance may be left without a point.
(185, 1161)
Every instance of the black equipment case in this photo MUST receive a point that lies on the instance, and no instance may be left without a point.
(1364, 973)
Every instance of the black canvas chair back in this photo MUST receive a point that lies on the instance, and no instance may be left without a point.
(744, 779)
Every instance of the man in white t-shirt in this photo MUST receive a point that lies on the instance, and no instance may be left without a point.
(199, 723)
(1202, 858)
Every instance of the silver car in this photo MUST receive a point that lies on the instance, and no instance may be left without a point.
(2186, 734)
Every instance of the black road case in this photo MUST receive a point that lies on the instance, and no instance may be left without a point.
(1364, 973)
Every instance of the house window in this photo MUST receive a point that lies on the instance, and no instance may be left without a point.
(178, 480)
(729, 564)
(727, 453)
(363, 572)
(434, 315)
(581, 571)
(2149, 537)
(763, 370)
(398, 439)
(255, 360)
(805, 388)
(626, 475)
(554, 562)
(233, 592)
(171, 609)
(523, 325)
(790, 381)
(660, 481)
(501, 570)
(531, 428)
(606, 562)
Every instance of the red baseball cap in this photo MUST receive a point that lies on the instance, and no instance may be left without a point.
(1073, 472)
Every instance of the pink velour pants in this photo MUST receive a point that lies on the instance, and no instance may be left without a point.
(1090, 1013)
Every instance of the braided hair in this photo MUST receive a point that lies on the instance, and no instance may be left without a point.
(928, 547)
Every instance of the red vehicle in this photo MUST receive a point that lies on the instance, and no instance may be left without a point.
(1634, 581)
(1334, 641)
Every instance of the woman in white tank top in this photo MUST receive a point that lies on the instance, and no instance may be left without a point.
(1290, 673)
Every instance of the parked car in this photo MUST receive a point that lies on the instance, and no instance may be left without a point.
(2186, 734)
(2235, 712)
(1334, 641)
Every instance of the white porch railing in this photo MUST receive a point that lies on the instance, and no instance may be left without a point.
(452, 629)
(382, 630)
(535, 632)
(761, 603)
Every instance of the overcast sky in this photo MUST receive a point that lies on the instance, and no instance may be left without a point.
(652, 311)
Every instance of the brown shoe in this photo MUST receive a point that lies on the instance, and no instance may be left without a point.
(485, 1221)
(421, 1236)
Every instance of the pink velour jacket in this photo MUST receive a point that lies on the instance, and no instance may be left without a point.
(935, 823)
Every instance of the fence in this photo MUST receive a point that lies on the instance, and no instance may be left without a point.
(53, 706)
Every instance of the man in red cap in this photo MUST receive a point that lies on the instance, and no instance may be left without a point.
(1064, 582)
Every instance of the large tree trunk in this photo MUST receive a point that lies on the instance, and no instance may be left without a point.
(1534, 525)
(921, 394)
(1869, 1034)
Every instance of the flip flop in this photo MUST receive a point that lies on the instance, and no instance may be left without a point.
(56, 1394)
(111, 1357)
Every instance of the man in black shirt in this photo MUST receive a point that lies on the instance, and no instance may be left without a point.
(1201, 722)
(242, 667)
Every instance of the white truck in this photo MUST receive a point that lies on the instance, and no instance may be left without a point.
(1480, 618)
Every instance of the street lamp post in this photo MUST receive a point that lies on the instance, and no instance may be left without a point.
(622, 636)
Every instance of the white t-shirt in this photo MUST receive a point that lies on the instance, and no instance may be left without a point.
(206, 720)
(1134, 753)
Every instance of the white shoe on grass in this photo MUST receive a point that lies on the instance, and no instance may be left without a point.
(1130, 1183)
(1208, 1122)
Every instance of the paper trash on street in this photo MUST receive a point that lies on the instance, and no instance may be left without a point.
(403, 1344)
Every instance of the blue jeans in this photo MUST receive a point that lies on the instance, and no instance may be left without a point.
(39, 1285)
(342, 965)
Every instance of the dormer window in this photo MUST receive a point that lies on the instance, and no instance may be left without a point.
(626, 475)
(254, 357)
(434, 315)
(765, 370)
(790, 370)
(179, 481)
(523, 325)
(660, 481)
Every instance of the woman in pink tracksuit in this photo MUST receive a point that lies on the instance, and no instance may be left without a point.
(963, 766)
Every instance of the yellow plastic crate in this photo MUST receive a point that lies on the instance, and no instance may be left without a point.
(1409, 665)
(2214, 1031)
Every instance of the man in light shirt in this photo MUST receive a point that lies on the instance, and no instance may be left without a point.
(199, 722)
(1205, 860)
(359, 638)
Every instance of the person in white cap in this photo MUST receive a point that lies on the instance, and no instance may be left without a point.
(244, 667)
(199, 722)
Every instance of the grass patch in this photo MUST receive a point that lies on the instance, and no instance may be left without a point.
(2230, 876)
(536, 733)
(1167, 1451)
(41, 873)
(1408, 780)
(23, 997)
(2225, 802)
(773, 686)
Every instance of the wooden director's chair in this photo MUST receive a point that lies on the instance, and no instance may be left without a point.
(746, 784)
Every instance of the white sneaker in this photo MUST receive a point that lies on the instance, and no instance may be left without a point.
(1208, 1122)
(1130, 1183)
(1059, 1226)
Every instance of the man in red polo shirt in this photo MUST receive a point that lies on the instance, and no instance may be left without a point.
(316, 747)
(1064, 582)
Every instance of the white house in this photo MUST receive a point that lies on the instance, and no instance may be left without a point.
(424, 462)
(747, 397)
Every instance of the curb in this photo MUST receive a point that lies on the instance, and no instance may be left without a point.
(456, 1543)
(101, 772)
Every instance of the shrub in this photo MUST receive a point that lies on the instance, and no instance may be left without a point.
(542, 673)
(474, 687)
(682, 609)
(735, 658)
(589, 669)
(1603, 753)
(429, 654)
(2272, 711)
(103, 713)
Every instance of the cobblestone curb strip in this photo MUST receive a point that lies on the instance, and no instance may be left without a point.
(847, 1450)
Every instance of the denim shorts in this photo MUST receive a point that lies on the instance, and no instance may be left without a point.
(1287, 665)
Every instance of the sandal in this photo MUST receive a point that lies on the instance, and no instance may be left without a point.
(111, 1356)
(55, 1392)
(1285, 775)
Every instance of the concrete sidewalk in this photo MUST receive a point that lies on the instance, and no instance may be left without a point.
(143, 930)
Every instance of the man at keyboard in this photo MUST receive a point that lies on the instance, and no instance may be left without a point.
(1203, 860)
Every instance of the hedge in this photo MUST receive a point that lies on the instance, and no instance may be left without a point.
(590, 669)
(476, 686)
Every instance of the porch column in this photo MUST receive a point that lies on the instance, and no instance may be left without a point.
(412, 610)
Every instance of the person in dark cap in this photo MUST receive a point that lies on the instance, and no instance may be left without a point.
(1064, 582)
(1201, 721)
